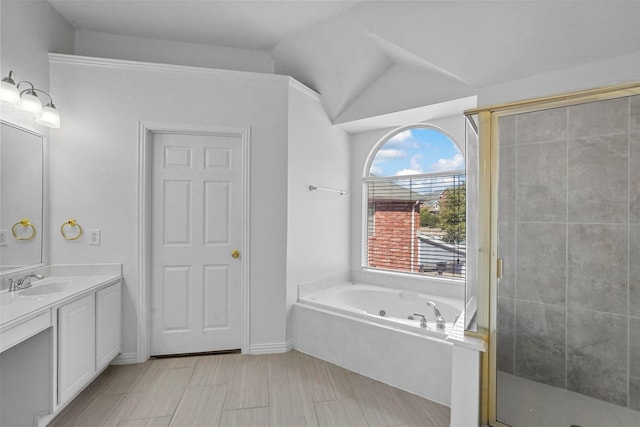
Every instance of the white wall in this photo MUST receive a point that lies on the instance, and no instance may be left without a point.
(361, 145)
(624, 69)
(318, 221)
(29, 30)
(94, 168)
(103, 45)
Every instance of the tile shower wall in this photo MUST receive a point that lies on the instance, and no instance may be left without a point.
(569, 234)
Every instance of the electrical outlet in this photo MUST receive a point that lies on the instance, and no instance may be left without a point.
(3, 237)
(94, 237)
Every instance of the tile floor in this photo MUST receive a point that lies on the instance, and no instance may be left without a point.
(289, 389)
(526, 403)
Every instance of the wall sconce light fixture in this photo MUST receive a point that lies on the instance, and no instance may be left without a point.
(27, 100)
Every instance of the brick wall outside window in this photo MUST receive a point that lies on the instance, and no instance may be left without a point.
(393, 243)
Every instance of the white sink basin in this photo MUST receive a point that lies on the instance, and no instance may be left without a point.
(45, 288)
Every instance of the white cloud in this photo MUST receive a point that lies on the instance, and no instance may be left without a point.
(408, 172)
(456, 163)
(402, 136)
(416, 167)
(403, 139)
(389, 153)
(375, 170)
(415, 161)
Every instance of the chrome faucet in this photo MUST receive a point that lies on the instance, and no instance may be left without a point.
(440, 322)
(423, 321)
(23, 283)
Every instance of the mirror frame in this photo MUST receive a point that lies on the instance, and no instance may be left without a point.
(44, 253)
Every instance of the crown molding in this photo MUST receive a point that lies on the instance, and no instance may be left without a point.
(305, 90)
(153, 66)
(126, 64)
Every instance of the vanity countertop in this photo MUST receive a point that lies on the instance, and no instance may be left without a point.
(16, 307)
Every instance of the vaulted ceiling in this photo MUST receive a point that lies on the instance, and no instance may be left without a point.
(372, 57)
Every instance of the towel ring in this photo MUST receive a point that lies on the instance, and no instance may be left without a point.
(72, 224)
(24, 222)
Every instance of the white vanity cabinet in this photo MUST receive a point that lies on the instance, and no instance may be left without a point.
(89, 335)
(56, 337)
(108, 324)
(76, 346)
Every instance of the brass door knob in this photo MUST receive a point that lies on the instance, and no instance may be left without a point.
(235, 253)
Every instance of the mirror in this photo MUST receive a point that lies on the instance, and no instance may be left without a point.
(21, 202)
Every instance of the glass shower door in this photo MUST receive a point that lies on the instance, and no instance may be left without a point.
(568, 226)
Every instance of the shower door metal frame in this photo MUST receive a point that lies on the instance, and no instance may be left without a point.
(488, 136)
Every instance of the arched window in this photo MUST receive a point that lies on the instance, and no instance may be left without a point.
(414, 181)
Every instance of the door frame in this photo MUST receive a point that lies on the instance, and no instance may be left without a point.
(145, 152)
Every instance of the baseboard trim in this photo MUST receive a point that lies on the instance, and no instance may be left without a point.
(42, 418)
(125, 359)
(270, 348)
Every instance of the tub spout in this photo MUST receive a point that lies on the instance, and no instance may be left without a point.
(440, 322)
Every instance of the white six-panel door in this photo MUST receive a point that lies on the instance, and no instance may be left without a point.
(196, 254)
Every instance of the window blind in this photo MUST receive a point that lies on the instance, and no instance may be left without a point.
(417, 224)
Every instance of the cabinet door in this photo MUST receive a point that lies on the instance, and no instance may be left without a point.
(76, 346)
(108, 324)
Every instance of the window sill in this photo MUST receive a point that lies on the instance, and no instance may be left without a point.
(414, 276)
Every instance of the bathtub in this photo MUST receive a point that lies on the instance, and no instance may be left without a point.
(366, 329)
(394, 308)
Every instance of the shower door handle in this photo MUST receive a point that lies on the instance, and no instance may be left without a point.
(499, 268)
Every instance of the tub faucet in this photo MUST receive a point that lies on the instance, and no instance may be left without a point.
(423, 321)
(440, 322)
(23, 283)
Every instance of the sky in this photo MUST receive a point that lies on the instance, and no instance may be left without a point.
(417, 151)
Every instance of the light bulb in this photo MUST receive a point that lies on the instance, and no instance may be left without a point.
(50, 117)
(9, 92)
(30, 103)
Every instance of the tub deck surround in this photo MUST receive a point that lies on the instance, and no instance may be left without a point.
(458, 337)
(391, 307)
(465, 375)
(342, 325)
